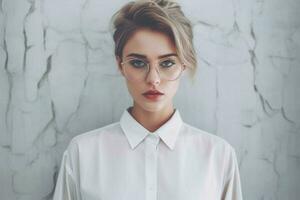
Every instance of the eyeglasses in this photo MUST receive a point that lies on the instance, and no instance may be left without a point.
(137, 69)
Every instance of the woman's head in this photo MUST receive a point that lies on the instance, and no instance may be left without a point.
(153, 35)
(158, 15)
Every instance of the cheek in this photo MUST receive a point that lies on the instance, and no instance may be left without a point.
(133, 89)
(172, 88)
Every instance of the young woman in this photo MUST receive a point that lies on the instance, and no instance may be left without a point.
(151, 154)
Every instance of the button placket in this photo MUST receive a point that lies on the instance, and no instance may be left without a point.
(151, 166)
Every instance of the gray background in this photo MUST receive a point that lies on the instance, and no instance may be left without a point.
(58, 78)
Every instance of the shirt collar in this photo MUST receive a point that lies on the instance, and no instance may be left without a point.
(135, 132)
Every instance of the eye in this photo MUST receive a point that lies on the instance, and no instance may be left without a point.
(167, 63)
(137, 63)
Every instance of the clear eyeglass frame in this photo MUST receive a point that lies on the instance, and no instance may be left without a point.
(142, 78)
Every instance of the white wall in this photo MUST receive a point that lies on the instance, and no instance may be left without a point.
(58, 79)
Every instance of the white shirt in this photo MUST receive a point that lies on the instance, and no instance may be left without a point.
(124, 161)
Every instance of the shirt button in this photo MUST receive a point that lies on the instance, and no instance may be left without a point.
(153, 139)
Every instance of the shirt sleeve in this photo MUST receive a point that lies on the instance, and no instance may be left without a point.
(232, 184)
(66, 186)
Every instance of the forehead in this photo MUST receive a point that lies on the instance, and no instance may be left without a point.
(149, 43)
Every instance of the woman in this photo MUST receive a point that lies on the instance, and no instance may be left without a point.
(151, 153)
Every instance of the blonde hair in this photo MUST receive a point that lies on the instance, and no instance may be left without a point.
(160, 15)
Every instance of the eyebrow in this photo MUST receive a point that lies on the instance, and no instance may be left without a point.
(145, 57)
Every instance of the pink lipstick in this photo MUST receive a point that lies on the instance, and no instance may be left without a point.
(153, 94)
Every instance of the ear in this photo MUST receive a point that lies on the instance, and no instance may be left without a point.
(120, 67)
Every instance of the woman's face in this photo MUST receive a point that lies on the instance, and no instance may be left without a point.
(150, 46)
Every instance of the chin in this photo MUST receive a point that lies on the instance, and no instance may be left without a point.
(153, 107)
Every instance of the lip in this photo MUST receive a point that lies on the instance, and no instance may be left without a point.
(153, 95)
(153, 92)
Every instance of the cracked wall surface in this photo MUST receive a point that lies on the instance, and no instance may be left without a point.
(58, 78)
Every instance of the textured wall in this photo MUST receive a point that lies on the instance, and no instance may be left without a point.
(58, 79)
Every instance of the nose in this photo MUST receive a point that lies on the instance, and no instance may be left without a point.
(153, 76)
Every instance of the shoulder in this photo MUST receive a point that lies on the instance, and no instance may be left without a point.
(210, 146)
(205, 139)
(95, 136)
(84, 147)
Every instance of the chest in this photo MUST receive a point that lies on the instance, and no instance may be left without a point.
(151, 174)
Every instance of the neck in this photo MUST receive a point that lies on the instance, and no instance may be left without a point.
(151, 120)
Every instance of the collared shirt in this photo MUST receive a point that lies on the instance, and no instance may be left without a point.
(124, 161)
